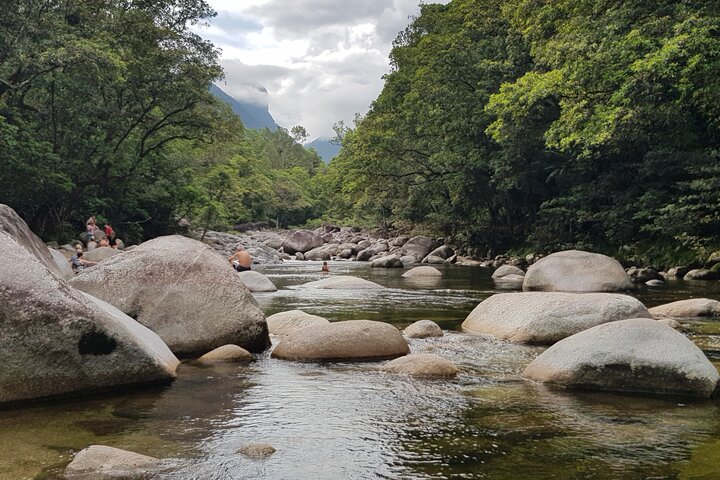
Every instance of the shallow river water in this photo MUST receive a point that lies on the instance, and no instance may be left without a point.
(347, 421)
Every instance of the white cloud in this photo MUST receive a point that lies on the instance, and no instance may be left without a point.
(320, 60)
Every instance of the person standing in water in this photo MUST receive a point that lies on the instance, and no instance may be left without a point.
(325, 268)
(240, 260)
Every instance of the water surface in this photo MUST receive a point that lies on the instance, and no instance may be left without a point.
(336, 421)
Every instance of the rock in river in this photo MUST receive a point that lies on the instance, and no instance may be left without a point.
(423, 329)
(577, 271)
(422, 272)
(343, 282)
(257, 282)
(227, 353)
(56, 339)
(694, 307)
(184, 292)
(636, 355)
(352, 340)
(421, 365)
(100, 462)
(285, 323)
(546, 317)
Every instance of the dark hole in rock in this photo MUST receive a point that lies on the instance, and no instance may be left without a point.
(96, 343)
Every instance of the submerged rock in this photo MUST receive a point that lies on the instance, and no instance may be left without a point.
(423, 329)
(285, 323)
(257, 282)
(183, 291)
(636, 355)
(577, 271)
(352, 340)
(694, 307)
(422, 272)
(100, 462)
(421, 365)
(257, 450)
(227, 353)
(57, 340)
(546, 317)
(343, 282)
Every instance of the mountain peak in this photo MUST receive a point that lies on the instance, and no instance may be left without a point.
(253, 116)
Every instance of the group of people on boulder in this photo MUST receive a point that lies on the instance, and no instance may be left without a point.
(93, 239)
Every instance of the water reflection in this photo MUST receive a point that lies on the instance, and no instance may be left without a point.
(353, 421)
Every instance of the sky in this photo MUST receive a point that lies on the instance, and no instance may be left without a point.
(320, 60)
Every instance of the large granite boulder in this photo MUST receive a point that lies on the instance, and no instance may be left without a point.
(577, 271)
(444, 252)
(63, 264)
(635, 355)
(325, 252)
(256, 281)
(421, 365)
(701, 274)
(101, 253)
(694, 307)
(57, 340)
(423, 272)
(18, 230)
(388, 261)
(546, 317)
(184, 292)
(343, 282)
(301, 241)
(352, 340)
(367, 253)
(419, 247)
(285, 323)
(100, 462)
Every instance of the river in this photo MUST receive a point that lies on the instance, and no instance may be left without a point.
(347, 421)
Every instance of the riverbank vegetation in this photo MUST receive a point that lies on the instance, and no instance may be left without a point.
(502, 125)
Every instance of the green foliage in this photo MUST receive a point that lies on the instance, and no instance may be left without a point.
(548, 125)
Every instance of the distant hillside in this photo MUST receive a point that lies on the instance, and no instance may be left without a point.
(325, 149)
(252, 115)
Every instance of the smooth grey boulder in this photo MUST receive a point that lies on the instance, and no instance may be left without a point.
(507, 270)
(256, 281)
(423, 272)
(285, 323)
(654, 283)
(352, 340)
(63, 264)
(636, 355)
(274, 241)
(642, 275)
(325, 252)
(408, 260)
(301, 241)
(101, 253)
(546, 317)
(57, 340)
(433, 260)
(419, 247)
(388, 261)
(423, 329)
(693, 307)
(577, 271)
(299, 256)
(227, 353)
(100, 462)
(421, 365)
(263, 254)
(371, 251)
(18, 230)
(442, 251)
(343, 282)
(701, 274)
(183, 291)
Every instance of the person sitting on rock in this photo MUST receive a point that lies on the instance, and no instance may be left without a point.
(78, 263)
(104, 243)
(325, 268)
(240, 260)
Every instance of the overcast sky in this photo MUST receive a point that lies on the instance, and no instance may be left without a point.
(320, 60)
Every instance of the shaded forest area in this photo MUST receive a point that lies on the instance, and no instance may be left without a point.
(503, 125)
